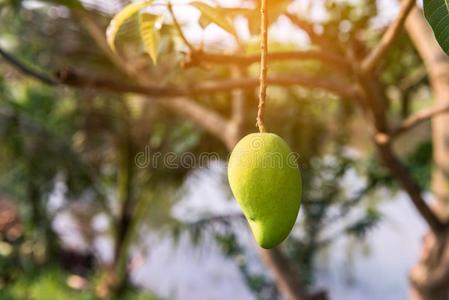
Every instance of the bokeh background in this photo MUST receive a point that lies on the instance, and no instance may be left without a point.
(90, 208)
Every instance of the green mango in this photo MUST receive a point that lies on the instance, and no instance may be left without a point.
(265, 179)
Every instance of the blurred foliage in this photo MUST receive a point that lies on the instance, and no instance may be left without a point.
(50, 283)
(88, 140)
(420, 163)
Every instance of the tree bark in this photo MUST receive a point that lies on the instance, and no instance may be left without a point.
(430, 276)
(285, 277)
(115, 277)
(437, 65)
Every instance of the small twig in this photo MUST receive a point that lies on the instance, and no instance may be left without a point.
(263, 65)
(178, 28)
(418, 118)
(374, 57)
(21, 67)
(308, 28)
(221, 219)
(86, 20)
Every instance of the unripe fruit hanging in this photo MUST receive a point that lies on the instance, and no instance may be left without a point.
(266, 181)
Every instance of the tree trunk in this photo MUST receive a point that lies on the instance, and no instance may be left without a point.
(39, 216)
(115, 277)
(430, 276)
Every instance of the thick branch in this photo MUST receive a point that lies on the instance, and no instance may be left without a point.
(374, 96)
(284, 275)
(83, 81)
(437, 66)
(376, 55)
(418, 118)
(430, 280)
(434, 58)
(206, 118)
(324, 57)
(408, 183)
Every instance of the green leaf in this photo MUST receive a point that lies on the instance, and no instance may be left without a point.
(215, 15)
(150, 26)
(120, 18)
(437, 14)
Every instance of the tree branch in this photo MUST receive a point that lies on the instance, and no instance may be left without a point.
(332, 86)
(206, 118)
(178, 28)
(83, 81)
(215, 124)
(74, 79)
(308, 28)
(376, 55)
(98, 36)
(434, 58)
(374, 95)
(21, 67)
(436, 278)
(437, 66)
(408, 183)
(418, 118)
(284, 275)
(325, 57)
